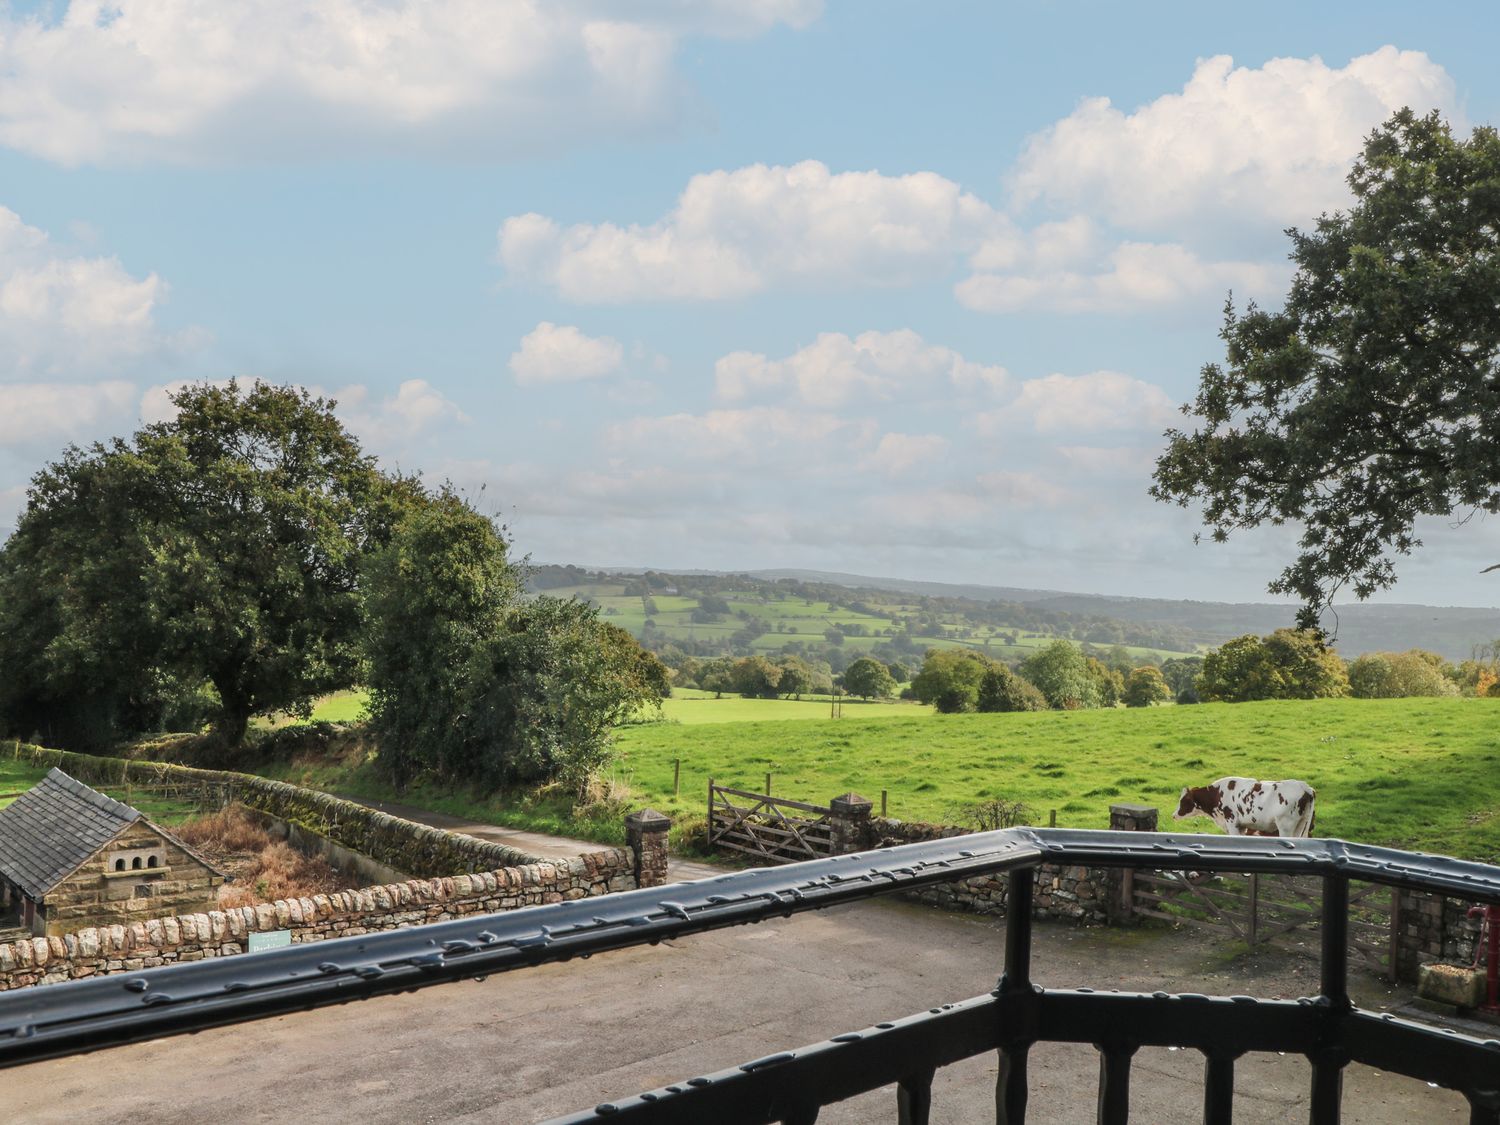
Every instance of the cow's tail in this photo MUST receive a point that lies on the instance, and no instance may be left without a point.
(1313, 823)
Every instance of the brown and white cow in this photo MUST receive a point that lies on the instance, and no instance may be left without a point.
(1242, 806)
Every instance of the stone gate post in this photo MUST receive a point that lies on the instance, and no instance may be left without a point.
(646, 835)
(851, 823)
(1119, 908)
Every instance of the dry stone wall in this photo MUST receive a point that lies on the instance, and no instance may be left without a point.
(225, 933)
(416, 849)
(1067, 893)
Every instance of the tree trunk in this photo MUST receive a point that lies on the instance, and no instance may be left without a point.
(234, 711)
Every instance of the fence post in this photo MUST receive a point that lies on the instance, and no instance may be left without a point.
(1252, 923)
(851, 823)
(676, 776)
(1121, 880)
(646, 835)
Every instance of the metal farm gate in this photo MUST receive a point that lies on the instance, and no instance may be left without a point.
(758, 824)
(1271, 909)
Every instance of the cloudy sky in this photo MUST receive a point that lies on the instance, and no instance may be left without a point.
(894, 288)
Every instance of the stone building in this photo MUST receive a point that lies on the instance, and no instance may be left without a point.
(71, 858)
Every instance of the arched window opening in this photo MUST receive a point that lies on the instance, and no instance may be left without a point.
(119, 865)
(135, 863)
(152, 861)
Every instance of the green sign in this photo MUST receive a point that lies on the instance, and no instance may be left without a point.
(275, 939)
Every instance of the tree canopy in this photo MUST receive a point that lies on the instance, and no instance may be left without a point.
(471, 682)
(1399, 675)
(1063, 674)
(949, 679)
(1003, 690)
(223, 545)
(1288, 664)
(1146, 685)
(1369, 400)
(869, 679)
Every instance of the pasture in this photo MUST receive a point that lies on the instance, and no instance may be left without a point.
(692, 707)
(17, 777)
(790, 619)
(1422, 774)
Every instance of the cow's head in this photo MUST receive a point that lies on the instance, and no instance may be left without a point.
(1186, 806)
(1199, 801)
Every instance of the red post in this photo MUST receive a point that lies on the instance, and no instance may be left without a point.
(1492, 925)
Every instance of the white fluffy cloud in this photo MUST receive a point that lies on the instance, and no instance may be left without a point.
(975, 504)
(552, 353)
(54, 412)
(752, 436)
(836, 369)
(899, 453)
(386, 423)
(67, 313)
(1270, 143)
(733, 233)
(189, 80)
(1132, 275)
(1071, 404)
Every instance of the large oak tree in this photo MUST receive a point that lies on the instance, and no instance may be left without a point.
(1372, 398)
(223, 544)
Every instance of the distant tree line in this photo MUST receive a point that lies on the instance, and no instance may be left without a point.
(1287, 664)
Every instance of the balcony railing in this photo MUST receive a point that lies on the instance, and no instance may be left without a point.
(793, 1085)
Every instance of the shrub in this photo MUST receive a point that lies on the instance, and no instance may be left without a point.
(949, 679)
(995, 813)
(1063, 674)
(1399, 675)
(1002, 690)
(1146, 686)
(1288, 664)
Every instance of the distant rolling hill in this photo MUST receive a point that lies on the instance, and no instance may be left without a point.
(1361, 627)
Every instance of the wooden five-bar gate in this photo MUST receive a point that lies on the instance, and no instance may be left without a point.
(773, 829)
(1261, 909)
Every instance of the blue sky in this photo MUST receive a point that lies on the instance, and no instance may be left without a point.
(889, 288)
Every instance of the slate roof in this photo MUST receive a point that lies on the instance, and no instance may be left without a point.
(52, 828)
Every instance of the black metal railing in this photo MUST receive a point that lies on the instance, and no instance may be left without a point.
(792, 1086)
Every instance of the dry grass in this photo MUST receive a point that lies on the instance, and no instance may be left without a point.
(231, 829)
(264, 869)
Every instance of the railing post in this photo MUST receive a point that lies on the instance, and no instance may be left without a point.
(1114, 1083)
(850, 821)
(914, 1099)
(1484, 1107)
(1218, 1090)
(1010, 1082)
(1329, 1058)
(646, 835)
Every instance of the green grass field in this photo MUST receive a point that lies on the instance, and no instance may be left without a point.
(794, 620)
(16, 777)
(691, 707)
(341, 707)
(1421, 774)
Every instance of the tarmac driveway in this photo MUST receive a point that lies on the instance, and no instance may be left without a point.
(523, 1046)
